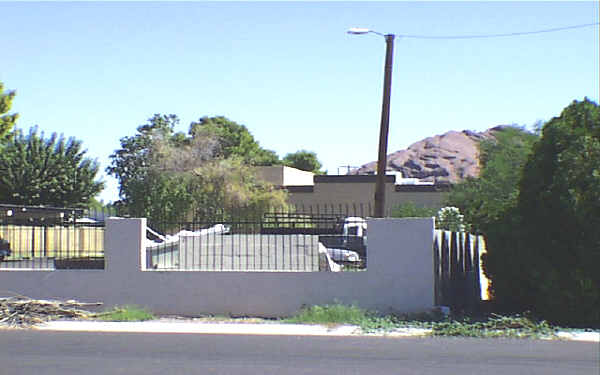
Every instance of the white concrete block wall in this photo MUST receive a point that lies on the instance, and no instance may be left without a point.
(399, 278)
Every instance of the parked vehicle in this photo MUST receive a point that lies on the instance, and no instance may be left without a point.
(4, 249)
(344, 237)
(351, 246)
(355, 226)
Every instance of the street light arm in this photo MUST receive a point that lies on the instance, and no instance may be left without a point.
(361, 31)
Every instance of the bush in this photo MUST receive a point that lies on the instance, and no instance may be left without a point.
(446, 218)
(544, 253)
(450, 218)
(409, 209)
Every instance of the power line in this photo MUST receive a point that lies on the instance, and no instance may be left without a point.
(481, 36)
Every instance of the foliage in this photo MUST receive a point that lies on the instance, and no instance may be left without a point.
(234, 140)
(47, 171)
(230, 187)
(409, 209)
(170, 177)
(161, 197)
(484, 200)
(496, 326)
(132, 162)
(125, 314)
(516, 326)
(96, 205)
(7, 121)
(303, 160)
(330, 314)
(449, 218)
(554, 232)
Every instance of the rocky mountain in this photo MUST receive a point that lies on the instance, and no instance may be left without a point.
(446, 158)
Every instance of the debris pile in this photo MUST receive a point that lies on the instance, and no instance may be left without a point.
(24, 312)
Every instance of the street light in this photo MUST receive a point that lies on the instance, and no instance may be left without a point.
(385, 118)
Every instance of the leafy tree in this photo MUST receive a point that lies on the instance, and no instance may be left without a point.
(162, 197)
(485, 199)
(132, 162)
(304, 160)
(7, 121)
(53, 171)
(169, 176)
(229, 187)
(555, 251)
(234, 140)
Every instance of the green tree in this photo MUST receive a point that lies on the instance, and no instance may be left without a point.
(485, 199)
(7, 121)
(234, 140)
(47, 171)
(164, 197)
(167, 176)
(131, 163)
(230, 188)
(304, 160)
(555, 226)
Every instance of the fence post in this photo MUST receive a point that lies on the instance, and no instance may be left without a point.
(124, 245)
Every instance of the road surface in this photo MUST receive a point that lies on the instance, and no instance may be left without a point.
(27, 352)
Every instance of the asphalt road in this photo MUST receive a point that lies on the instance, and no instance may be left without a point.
(64, 353)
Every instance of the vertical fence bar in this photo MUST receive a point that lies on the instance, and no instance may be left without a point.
(436, 267)
(445, 270)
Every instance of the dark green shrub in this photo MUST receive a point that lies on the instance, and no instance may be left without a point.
(544, 254)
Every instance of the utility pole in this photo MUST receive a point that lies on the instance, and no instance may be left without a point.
(384, 128)
(385, 118)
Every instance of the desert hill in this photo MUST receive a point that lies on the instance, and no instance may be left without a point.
(447, 158)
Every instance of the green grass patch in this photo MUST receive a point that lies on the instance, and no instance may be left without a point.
(339, 314)
(333, 314)
(370, 322)
(125, 314)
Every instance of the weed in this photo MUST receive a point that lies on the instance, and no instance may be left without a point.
(330, 315)
(125, 314)
(494, 326)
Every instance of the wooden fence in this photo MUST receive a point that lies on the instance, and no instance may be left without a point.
(459, 279)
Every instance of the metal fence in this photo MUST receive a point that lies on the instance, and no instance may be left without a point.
(51, 243)
(279, 241)
(99, 214)
(336, 209)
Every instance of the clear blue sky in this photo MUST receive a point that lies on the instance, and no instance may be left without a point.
(289, 72)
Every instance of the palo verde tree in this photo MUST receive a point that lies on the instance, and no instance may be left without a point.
(547, 259)
(7, 121)
(53, 171)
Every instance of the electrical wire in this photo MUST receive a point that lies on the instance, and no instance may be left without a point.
(481, 36)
